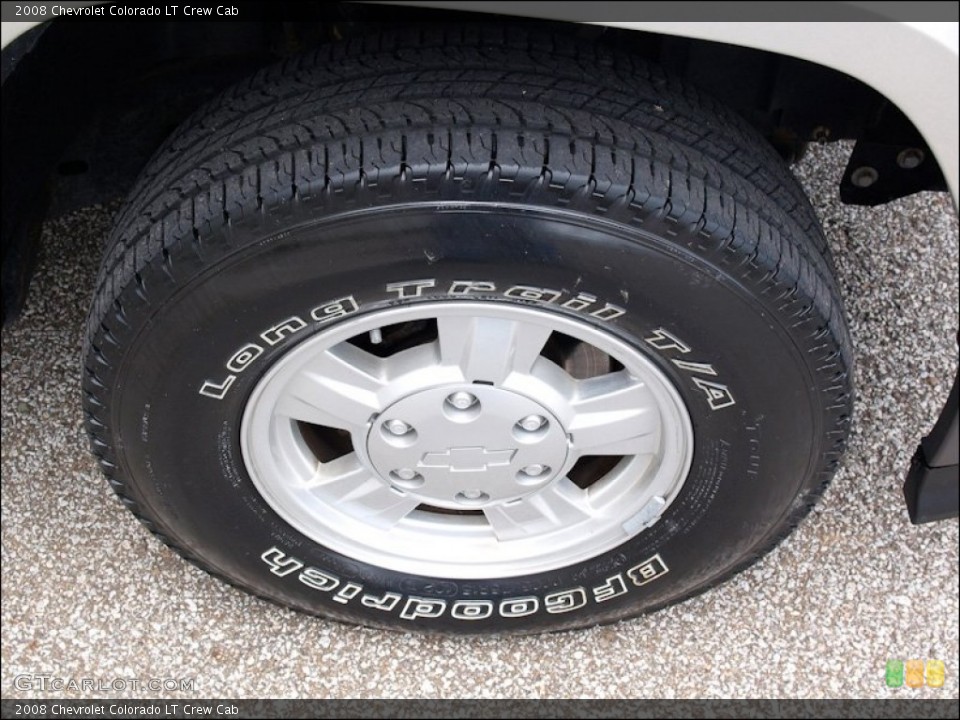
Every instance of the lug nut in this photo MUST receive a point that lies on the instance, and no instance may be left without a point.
(910, 158)
(406, 478)
(472, 497)
(864, 177)
(462, 400)
(397, 427)
(532, 423)
(535, 474)
(535, 470)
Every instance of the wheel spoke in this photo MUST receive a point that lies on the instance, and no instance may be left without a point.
(379, 505)
(614, 414)
(339, 388)
(489, 349)
(338, 477)
(561, 504)
(347, 484)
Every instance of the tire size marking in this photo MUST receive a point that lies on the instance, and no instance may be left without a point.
(718, 395)
(248, 353)
(413, 607)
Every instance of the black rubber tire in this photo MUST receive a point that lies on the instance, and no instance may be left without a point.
(499, 156)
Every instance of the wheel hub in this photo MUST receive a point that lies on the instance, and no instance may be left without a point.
(467, 447)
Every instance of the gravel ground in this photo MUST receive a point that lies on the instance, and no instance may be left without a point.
(87, 592)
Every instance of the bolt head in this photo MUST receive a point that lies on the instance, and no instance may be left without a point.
(535, 470)
(396, 427)
(462, 400)
(472, 497)
(910, 158)
(532, 423)
(406, 479)
(864, 177)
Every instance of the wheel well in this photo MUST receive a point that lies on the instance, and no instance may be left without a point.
(86, 104)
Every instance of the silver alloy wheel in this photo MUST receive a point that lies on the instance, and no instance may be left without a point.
(463, 445)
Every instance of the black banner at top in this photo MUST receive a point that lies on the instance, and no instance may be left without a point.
(578, 11)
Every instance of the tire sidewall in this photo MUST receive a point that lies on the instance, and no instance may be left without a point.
(756, 413)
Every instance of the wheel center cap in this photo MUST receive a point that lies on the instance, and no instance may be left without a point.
(465, 447)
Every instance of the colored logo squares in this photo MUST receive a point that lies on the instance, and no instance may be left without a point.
(914, 673)
(894, 674)
(911, 673)
(936, 672)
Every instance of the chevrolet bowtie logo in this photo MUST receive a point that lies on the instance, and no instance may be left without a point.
(467, 459)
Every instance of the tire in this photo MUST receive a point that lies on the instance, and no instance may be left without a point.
(455, 230)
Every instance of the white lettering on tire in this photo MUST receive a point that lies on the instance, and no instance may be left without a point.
(565, 600)
(280, 563)
(519, 607)
(414, 607)
(417, 607)
(471, 609)
(718, 395)
(283, 330)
